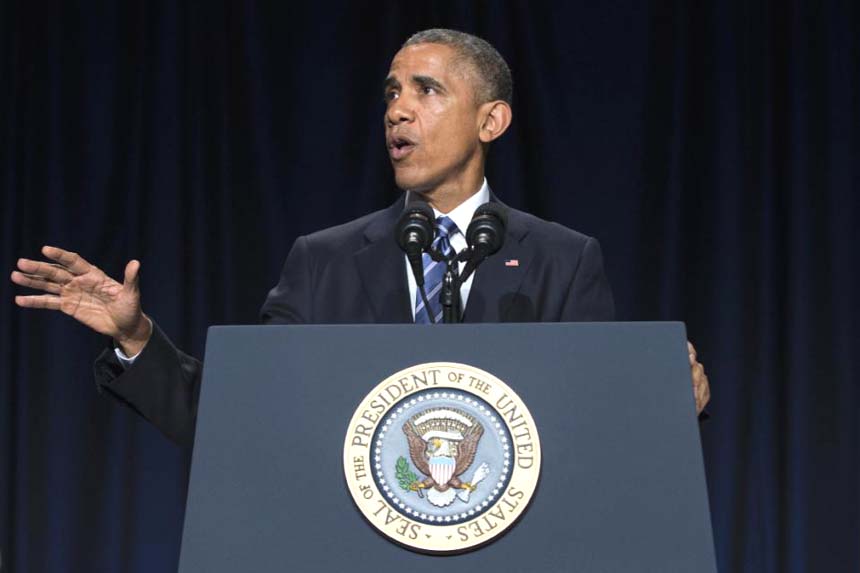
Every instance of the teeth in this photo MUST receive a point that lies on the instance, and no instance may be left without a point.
(399, 144)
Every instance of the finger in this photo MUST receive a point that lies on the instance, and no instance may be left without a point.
(696, 379)
(35, 282)
(76, 264)
(39, 301)
(692, 351)
(701, 389)
(697, 394)
(48, 271)
(131, 278)
(702, 399)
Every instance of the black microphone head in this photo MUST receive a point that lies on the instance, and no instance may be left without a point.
(494, 209)
(414, 229)
(486, 232)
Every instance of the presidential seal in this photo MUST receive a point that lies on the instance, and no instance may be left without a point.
(442, 457)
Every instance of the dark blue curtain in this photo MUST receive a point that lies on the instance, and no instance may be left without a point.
(713, 149)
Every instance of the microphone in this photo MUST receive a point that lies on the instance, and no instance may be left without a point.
(485, 235)
(414, 234)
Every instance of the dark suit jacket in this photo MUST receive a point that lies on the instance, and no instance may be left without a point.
(355, 273)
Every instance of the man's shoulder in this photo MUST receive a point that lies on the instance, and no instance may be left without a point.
(353, 233)
(346, 230)
(548, 233)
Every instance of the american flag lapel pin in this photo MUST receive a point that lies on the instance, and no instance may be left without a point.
(512, 263)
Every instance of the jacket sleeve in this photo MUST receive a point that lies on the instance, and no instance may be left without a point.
(589, 298)
(163, 383)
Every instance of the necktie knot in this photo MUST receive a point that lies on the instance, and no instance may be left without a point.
(445, 227)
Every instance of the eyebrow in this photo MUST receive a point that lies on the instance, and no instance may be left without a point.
(428, 82)
(423, 81)
(390, 82)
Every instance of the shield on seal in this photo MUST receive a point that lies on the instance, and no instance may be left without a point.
(441, 469)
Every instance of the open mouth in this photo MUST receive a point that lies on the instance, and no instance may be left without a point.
(399, 147)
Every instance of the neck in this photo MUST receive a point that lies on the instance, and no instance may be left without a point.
(448, 196)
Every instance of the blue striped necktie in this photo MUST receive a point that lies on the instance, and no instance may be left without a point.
(434, 272)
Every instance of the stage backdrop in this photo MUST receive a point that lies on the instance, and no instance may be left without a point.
(714, 152)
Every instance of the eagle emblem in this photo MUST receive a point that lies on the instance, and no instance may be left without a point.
(442, 445)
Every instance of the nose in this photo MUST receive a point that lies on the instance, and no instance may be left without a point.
(399, 111)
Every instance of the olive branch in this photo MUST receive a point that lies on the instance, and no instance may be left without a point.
(405, 476)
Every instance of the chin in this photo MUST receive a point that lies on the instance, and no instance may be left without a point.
(408, 180)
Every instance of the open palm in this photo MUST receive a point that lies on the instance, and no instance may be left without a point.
(84, 292)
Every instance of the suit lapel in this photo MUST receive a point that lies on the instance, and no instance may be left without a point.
(382, 269)
(498, 279)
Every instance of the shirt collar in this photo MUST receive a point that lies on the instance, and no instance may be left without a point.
(463, 213)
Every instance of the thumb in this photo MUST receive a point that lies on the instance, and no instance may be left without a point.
(131, 279)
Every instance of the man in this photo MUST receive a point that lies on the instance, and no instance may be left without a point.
(448, 98)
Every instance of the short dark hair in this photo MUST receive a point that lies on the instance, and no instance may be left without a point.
(493, 72)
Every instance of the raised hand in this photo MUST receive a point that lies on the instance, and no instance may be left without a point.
(87, 294)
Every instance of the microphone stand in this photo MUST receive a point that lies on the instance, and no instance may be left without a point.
(449, 296)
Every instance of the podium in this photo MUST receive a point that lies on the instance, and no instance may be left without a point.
(622, 485)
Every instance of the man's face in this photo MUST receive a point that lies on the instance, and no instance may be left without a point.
(431, 121)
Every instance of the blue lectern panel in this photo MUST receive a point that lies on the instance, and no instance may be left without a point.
(622, 485)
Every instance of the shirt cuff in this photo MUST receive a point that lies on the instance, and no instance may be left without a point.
(127, 361)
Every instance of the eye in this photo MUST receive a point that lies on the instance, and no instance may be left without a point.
(390, 96)
(428, 90)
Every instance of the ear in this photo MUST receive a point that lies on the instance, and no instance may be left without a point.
(495, 118)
